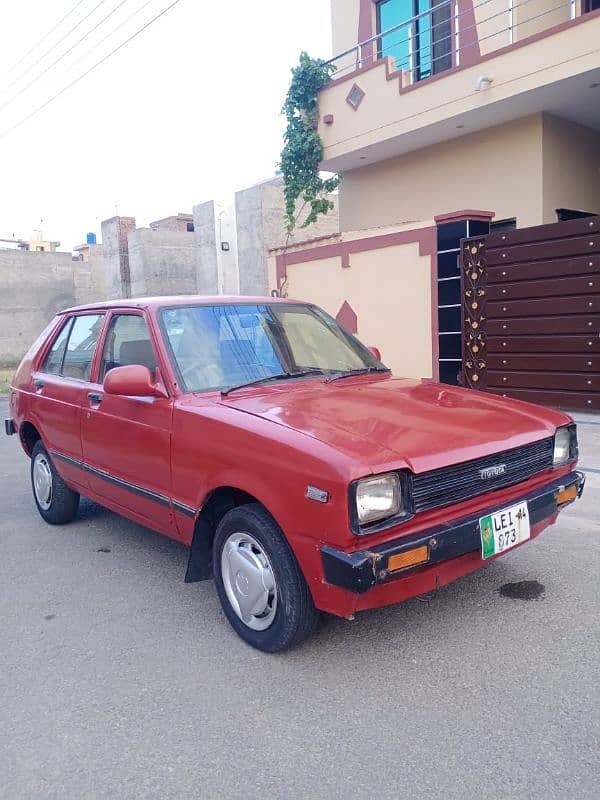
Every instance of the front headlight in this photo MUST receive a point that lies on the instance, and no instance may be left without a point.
(378, 497)
(562, 446)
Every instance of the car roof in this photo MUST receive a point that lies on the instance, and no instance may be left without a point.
(176, 300)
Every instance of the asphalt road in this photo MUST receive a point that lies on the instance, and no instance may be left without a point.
(117, 680)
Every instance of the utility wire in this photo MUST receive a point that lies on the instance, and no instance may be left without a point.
(107, 36)
(47, 52)
(46, 69)
(91, 69)
(45, 36)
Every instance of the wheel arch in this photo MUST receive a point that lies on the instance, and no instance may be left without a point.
(28, 436)
(220, 500)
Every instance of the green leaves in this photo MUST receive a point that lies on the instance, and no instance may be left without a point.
(303, 150)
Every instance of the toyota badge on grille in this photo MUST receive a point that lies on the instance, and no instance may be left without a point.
(492, 472)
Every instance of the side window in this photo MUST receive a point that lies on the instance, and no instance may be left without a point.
(127, 342)
(78, 356)
(54, 358)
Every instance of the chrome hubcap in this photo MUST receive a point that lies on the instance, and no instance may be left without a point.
(249, 581)
(42, 481)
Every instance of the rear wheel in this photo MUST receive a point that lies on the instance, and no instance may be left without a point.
(259, 582)
(56, 502)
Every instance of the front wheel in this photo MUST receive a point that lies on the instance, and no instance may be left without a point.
(56, 502)
(259, 583)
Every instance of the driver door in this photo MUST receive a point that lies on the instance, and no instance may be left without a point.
(126, 441)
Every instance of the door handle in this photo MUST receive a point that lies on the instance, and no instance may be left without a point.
(38, 384)
(95, 397)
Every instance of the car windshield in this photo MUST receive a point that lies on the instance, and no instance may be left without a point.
(218, 347)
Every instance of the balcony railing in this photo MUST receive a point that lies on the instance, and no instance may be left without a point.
(444, 36)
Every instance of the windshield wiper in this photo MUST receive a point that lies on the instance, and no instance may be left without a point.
(278, 376)
(351, 372)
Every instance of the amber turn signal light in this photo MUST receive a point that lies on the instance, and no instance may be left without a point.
(566, 495)
(409, 558)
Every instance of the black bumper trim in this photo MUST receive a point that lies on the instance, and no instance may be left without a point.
(361, 570)
(9, 427)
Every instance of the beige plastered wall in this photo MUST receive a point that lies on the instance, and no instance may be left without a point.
(524, 169)
(390, 291)
(571, 167)
(538, 15)
(386, 114)
(499, 169)
(492, 20)
(344, 31)
(529, 17)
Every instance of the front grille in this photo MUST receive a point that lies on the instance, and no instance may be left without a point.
(441, 487)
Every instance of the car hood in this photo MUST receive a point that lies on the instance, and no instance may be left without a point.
(414, 423)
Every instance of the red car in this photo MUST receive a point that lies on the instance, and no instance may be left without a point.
(303, 475)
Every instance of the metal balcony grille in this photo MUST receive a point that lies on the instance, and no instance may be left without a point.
(440, 37)
(442, 487)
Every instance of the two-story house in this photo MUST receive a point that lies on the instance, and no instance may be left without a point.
(447, 119)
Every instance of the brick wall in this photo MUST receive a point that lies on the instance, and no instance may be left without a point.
(162, 262)
(33, 287)
(261, 226)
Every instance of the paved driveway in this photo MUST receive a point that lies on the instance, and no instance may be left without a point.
(117, 680)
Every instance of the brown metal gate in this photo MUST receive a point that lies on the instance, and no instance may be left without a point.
(531, 313)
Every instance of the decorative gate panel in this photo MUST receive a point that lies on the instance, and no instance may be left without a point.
(531, 313)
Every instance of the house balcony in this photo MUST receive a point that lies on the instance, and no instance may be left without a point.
(459, 68)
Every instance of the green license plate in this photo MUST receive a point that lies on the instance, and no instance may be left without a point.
(504, 529)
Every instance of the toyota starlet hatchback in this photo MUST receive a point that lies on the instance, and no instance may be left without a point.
(303, 475)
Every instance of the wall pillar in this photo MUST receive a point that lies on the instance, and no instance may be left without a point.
(116, 256)
(447, 289)
(205, 233)
(365, 31)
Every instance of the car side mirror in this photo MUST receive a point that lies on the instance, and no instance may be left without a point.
(375, 351)
(132, 380)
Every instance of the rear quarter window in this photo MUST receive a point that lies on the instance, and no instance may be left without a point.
(81, 344)
(72, 351)
(54, 357)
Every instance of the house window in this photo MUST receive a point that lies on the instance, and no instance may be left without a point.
(190, 227)
(420, 35)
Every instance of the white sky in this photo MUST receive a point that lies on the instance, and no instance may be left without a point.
(187, 112)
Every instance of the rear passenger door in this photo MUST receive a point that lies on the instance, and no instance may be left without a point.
(60, 386)
(127, 440)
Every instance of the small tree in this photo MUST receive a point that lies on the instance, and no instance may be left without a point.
(303, 150)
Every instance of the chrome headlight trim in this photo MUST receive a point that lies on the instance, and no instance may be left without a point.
(565, 445)
(397, 513)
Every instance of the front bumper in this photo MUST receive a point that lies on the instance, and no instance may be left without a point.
(361, 570)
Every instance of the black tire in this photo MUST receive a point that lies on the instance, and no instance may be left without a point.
(63, 502)
(295, 616)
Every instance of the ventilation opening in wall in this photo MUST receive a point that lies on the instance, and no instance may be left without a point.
(566, 214)
(503, 224)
